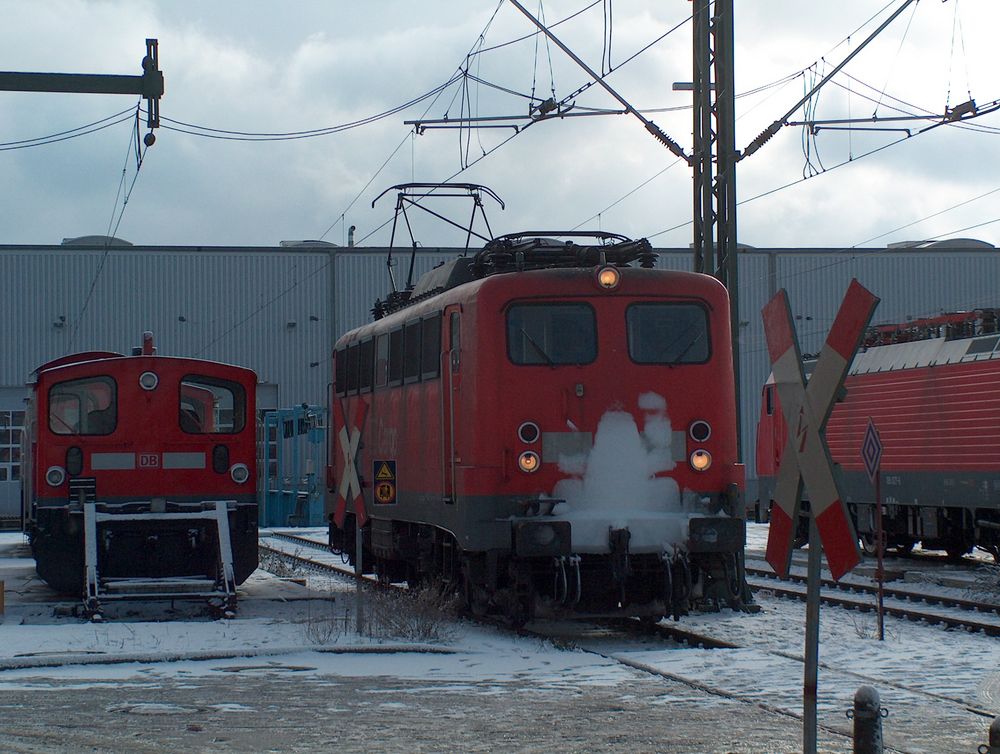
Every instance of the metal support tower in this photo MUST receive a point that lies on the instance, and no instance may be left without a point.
(714, 159)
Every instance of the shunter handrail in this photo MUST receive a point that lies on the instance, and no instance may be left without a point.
(225, 584)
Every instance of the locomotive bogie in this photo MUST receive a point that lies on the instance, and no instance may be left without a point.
(556, 429)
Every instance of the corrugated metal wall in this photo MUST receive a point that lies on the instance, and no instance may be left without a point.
(266, 309)
(278, 310)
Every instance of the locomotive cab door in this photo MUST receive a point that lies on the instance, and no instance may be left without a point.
(451, 362)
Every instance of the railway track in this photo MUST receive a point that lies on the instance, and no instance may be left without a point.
(762, 579)
(667, 632)
(296, 559)
(795, 588)
(905, 595)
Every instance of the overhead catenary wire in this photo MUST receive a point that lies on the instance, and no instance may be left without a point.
(137, 150)
(341, 217)
(469, 163)
(208, 132)
(73, 133)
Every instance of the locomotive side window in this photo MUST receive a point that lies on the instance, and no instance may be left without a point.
(340, 371)
(456, 340)
(431, 356)
(366, 353)
(382, 360)
(87, 406)
(667, 333)
(396, 356)
(353, 353)
(209, 405)
(411, 351)
(551, 334)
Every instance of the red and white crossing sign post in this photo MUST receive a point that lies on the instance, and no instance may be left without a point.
(807, 408)
(806, 461)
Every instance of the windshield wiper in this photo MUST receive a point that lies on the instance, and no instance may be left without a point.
(538, 348)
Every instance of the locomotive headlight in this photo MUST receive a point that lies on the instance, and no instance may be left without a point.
(529, 462)
(608, 278)
(700, 460)
(700, 430)
(240, 473)
(148, 381)
(528, 432)
(55, 476)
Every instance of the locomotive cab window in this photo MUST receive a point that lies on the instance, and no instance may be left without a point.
(660, 333)
(87, 406)
(551, 334)
(209, 405)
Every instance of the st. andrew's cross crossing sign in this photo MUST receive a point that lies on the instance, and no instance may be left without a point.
(806, 458)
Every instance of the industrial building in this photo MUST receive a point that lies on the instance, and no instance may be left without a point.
(279, 309)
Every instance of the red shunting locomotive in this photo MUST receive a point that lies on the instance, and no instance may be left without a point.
(140, 476)
(928, 386)
(549, 427)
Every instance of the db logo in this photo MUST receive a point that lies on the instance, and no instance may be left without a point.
(149, 461)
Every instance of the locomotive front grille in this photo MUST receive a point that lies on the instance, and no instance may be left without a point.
(83, 490)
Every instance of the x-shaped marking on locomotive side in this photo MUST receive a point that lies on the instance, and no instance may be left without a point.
(807, 408)
(349, 443)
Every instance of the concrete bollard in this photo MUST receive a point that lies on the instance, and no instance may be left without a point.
(867, 715)
(993, 747)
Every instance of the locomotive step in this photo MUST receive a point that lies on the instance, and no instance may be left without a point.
(175, 586)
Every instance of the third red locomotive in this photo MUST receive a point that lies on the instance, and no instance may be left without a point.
(929, 386)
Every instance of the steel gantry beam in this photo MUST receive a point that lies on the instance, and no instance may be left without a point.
(149, 85)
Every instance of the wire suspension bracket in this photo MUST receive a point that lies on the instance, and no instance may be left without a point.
(149, 85)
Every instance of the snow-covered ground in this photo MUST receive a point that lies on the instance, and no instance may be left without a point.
(709, 700)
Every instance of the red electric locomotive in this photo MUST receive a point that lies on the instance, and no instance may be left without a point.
(927, 385)
(139, 476)
(548, 426)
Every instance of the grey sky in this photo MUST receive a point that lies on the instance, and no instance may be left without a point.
(281, 67)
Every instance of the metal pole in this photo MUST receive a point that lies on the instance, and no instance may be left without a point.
(358, 601)
(809, 682)
(701, 159)
(993, 747)
(867, 722)
(879, 547)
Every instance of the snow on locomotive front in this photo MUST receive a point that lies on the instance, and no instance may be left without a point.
(567, 443)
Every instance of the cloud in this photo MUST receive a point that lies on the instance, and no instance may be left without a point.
(259, 66)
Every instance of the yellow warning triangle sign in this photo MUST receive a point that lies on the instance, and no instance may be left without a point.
(384, 473)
